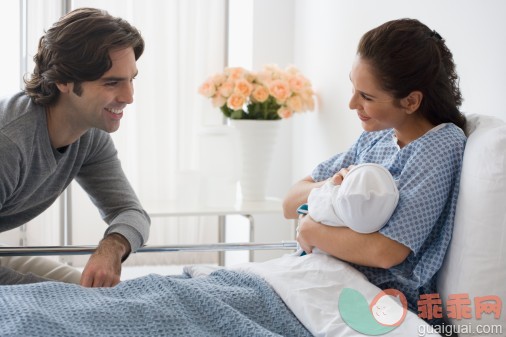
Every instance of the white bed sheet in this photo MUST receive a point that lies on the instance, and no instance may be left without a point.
(310, 286)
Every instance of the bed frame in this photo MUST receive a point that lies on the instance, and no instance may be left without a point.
(84, 250)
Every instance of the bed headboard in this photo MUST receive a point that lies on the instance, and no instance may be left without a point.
(475, 265)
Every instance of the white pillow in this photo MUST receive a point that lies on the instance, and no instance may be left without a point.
(475, 264)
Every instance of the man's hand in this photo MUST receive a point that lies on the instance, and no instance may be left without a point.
(104, 266)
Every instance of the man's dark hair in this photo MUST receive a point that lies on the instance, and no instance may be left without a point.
(76, 49)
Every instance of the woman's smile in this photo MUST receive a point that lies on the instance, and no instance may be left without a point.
(362, 117)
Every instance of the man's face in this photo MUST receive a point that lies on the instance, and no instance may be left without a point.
(100, 104)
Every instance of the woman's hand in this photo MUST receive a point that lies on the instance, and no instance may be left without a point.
(337, 179)
(297, 195)
(305, 230)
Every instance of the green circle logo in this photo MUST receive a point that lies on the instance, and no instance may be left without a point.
(386, 312)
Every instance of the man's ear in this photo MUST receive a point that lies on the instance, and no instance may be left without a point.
(64, 87)
(412, 102)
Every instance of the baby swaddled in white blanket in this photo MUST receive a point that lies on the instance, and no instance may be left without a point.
(364, 201)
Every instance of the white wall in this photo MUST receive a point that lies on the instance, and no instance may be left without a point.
(326, 36)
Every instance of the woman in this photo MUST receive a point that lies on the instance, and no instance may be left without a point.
(406, 95)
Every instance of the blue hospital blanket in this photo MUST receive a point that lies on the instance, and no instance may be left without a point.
(225, 303)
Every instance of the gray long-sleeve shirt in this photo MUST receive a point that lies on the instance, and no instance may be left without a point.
(33, 174)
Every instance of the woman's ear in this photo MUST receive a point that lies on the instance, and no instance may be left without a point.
(63, 87)
(412, 102)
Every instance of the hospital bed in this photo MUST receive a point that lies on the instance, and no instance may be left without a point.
(312, 287)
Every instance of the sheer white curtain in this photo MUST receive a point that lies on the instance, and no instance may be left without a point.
(10, 21)
(158, 141)
(19, 43)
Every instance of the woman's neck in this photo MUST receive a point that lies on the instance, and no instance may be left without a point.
(413, 129)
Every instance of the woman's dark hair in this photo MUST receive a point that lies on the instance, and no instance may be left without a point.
(76, 49)
(406, 56)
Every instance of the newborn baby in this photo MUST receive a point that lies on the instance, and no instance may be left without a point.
(365, 200)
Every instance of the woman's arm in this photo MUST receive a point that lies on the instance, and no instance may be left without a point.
(299, 192)
(297, 195)
(372, 250)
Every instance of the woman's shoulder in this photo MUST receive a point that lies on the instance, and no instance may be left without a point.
(446, 136)
(448, 130)
(444, 145)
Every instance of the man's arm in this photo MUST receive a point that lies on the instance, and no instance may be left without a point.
(102, 177)
(104, 266)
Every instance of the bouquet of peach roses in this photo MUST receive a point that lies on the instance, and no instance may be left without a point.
(270, 94)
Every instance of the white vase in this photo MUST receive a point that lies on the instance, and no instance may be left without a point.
(256, 144)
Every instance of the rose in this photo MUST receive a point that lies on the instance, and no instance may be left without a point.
(236, 101)
(218, 101)
(284, 112)
(219, 79)
(297, 83)
(226, 88)
(279, 90)
(235, 73)
(208, 88)
(243, 87)
(260, 93)
(295, 103)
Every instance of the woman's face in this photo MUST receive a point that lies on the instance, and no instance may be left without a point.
(376, 108)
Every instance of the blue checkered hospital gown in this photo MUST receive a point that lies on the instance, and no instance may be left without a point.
(427, 172)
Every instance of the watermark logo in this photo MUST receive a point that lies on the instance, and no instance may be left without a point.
(385, 313)
(388, 310)
(458, 306)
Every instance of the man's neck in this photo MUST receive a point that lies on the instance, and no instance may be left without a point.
(60, 129)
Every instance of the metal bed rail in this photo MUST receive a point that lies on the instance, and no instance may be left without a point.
(84, 250)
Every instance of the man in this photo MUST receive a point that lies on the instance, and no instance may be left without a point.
(58, 129)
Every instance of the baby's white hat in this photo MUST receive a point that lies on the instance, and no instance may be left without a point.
(367, 198)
